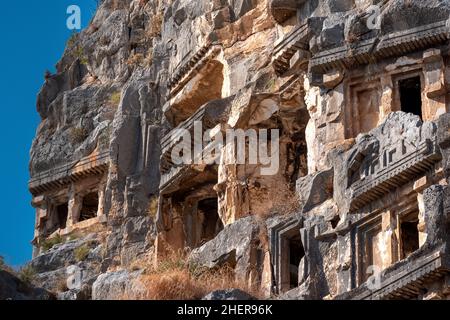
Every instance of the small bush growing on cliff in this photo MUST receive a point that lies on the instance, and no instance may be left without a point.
(80, 55)
(5, 267)
(155, 25)
(136, 60)
(47, 244)
(81, 253)
(115, 98)
(77, 134)
(27, 274)
(62, 286)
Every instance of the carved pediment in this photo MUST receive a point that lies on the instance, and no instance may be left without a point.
(386, 159)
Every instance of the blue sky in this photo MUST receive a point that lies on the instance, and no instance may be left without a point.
(33, 37)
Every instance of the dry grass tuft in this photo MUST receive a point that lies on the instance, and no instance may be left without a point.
(175, 279)
(77, 135)
(81, 253)
(153, 206)
(62, 286)
(286, 204)
(115, 98)
(173, 285)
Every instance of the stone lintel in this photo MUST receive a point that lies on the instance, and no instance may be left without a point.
(37, 201)
(432, 55)
(421, 184)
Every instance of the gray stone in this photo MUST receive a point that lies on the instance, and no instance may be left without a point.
(12, 288)
(402, 15)
(233, 246)
(315, 189)
(443, 135)
(62, 255)
(241, 7)
(340, 5)
(115, 285)
(434, 199)
(230, 294)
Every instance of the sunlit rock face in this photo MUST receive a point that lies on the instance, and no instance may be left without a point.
(352, 98)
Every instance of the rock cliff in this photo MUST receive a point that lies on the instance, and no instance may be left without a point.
(363, 151)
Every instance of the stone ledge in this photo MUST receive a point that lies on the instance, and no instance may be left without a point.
(190, 66)
(74, 171)
(209, 115)
(294, 41)
(394, 44)
(408, 279)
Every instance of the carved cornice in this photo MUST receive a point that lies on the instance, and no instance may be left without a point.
(394, 174)
(390, 45)
(407, 281)
(62, 175)
(190, 66)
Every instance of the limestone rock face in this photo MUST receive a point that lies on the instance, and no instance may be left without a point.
(12, 288)
(234, 247)
(116, 286)
(340, 188)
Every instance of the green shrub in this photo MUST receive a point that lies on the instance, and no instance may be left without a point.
(80, 55)
(115, 98)
(27, 274)
(47, 244)
(2, 263)
(81, 253)
(77, 134)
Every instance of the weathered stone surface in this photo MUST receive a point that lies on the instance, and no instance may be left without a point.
(435, 198)
(231, 294)
(12, 288)
(444, 140)
(119, 285)
(367, 157)
(234, 246)
(401, 140)
(62, 255)
(315, 189)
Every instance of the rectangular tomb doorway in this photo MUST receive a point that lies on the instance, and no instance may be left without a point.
(411, 95)
(89, 206)
(292, 253)
(409, 234)
(62, 212)
(211, 225)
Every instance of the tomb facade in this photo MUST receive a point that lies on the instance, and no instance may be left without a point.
(359, 206)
